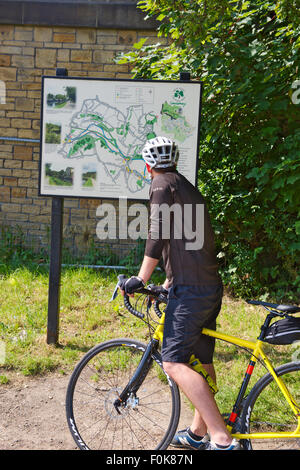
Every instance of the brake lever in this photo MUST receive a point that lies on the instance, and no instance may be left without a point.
(115, 292)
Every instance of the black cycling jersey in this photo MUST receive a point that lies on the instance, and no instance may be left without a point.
(181, 232)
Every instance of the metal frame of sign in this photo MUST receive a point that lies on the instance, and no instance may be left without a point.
(65, 192)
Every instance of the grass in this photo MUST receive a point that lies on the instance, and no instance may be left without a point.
(87, 318)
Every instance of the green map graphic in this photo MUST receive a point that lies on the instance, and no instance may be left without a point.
(116, 137)
(174, 122)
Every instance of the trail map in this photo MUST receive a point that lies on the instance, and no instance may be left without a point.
(93, 133)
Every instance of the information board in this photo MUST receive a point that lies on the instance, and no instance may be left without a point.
(93, 132)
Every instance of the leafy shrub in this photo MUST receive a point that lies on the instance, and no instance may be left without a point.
(247, 56)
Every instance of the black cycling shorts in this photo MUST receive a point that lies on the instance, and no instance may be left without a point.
(189, 309)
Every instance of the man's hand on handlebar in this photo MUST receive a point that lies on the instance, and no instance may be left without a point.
(159, 290)
(131, 285)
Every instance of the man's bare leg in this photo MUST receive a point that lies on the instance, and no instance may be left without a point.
(195, 387)
(198, 426)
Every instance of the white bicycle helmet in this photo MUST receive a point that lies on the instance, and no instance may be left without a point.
(160, 152)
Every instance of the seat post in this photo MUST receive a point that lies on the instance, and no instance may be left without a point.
(266, 324)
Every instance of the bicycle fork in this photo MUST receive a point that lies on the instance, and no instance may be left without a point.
(138, 376)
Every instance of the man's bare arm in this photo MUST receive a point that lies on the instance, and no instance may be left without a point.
(147, 268)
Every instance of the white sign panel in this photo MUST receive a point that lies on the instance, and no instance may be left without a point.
(93, 132)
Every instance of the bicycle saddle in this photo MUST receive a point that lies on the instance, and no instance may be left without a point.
(281, 308)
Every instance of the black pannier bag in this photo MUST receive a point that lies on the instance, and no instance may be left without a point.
(285, 331)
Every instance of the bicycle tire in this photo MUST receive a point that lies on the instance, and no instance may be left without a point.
(146, 422)
(266, 410)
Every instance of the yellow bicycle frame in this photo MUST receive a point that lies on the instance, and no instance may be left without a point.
(257, 348)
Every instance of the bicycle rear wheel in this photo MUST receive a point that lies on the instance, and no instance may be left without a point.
(266, 409)
(148, 419)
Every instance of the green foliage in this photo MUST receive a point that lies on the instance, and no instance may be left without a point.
(246, 53)
(14, 251)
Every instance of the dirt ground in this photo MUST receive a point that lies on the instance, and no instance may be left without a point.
(32, 415)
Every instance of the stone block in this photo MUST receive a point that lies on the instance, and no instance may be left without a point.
(104, 57)
(28, 50)
(8, 74)
(6, 32)
(81, 56)
(21, 152)
(45, 58)
(5, 122)
(8, 132)
(18, 192)
(22, 61)
(7, 207)
(42, 34)
(24, 104)
(32, 209)
(86, 36)
(11, 49)
(21, 173)
(5, 60)
(21, 123)
(5, 171)
(63, 55)
(127, 38)
(28, 134)
(10, 181)
(27, 182)
(28, 75)
(23, 35)
(64, 37)
(12, 164)
(5, 194)
(31, 86)
(29, 165)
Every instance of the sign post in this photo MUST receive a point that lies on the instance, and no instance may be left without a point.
(55, 260)
(55, 269)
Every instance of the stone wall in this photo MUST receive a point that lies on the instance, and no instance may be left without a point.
(26, 53)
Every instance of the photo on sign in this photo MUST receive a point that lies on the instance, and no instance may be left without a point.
(59, 176)
(53, 133)
(61, 97)
(89, 176)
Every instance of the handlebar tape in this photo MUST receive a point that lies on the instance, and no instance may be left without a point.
(156, 309)
(138, 314)
(131, 309)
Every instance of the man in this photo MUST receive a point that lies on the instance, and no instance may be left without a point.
(194, 289)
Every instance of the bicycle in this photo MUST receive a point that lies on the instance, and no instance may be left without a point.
(119, 396)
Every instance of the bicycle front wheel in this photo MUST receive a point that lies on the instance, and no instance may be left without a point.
(266, 409)
(148, 419)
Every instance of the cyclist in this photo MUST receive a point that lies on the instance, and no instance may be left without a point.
(193, 285)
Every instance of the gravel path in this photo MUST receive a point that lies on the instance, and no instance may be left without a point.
(32, 415)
